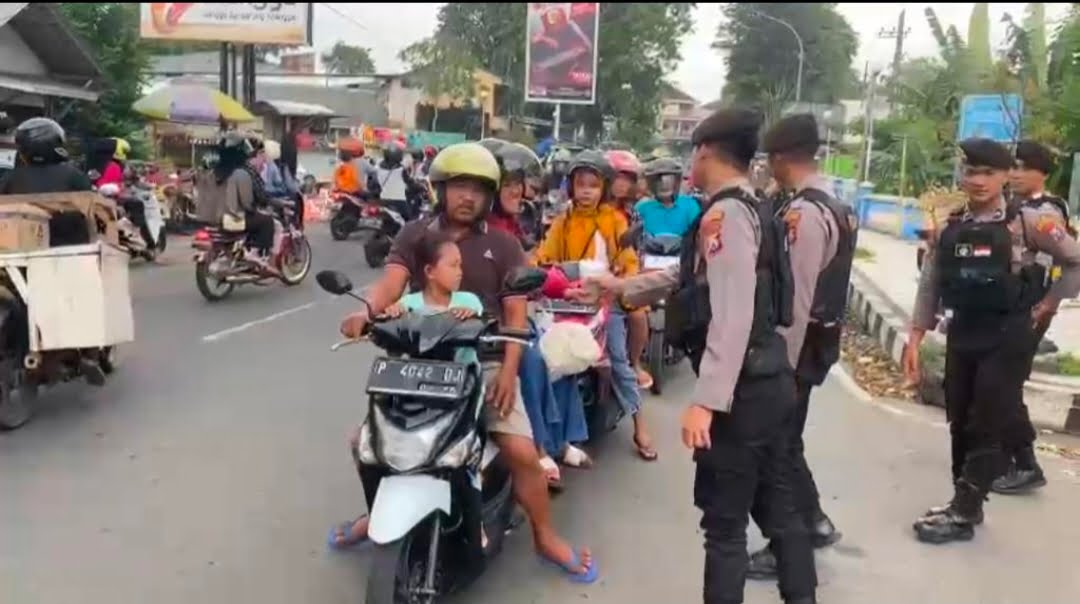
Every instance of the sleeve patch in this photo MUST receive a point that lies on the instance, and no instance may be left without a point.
(711, 228)
(791, 219)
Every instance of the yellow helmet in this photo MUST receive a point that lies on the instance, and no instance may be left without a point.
(122, 149)
(465, 160)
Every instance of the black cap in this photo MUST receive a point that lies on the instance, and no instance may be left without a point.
(1034, 156)
(797, 132)
(733, 130)
(985, 153)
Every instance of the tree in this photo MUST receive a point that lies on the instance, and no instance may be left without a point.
(444, 69)
(346, 59)
(979, 40)
(111, 30)
(638, 48)
(1035, 27)
(762, 52)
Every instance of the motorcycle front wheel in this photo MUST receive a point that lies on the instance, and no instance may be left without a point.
(296, 261)
(211, 288)
(342, 225)
(398, 569)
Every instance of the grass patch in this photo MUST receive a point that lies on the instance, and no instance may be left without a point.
(932, 355)
(862, 253)
(1068, 364)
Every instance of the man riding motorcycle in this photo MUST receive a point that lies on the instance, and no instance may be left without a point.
(667, 212)
(393, 183)
(466, 178)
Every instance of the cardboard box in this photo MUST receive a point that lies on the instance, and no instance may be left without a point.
(100, 211)
(23, 227)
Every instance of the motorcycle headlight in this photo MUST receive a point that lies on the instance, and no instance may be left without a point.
(405, 450)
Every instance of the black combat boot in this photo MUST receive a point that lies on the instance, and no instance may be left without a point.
(957, 521)
(762, 565)
(823, 532)
(1024, 476)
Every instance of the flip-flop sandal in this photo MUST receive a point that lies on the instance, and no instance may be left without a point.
(574, 457)
(343, 529)
(552, 474)
(570, 568)
(646, 453)
(644, 379)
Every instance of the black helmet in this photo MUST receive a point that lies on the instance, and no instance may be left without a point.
(41, 141)
(663, 165)
(516, 161)
(417, 154)
(593, 161)
(393, 155)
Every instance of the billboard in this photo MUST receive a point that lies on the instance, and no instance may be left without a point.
(561, 52)
(285, 23)
(993, 116)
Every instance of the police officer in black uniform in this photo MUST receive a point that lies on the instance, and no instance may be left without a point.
(984, 272)
(821, 232)
(732, 291)
(1027, 181)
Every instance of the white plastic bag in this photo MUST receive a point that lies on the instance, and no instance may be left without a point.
(569, 349)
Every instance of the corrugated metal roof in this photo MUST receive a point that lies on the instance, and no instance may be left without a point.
(359, 104)
(46, 87)
(49, 35)
(9, 10)
(297, 109)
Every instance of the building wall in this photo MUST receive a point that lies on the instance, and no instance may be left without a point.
(18, 58)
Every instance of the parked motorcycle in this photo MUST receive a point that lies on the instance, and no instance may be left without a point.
(441, 486)
(350, 214)
(659, 253)
(221, 263)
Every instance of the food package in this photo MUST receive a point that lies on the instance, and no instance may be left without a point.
(23, 227)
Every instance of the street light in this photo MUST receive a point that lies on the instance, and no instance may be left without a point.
(802, 53)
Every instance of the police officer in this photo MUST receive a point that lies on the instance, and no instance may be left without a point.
(984, 272)
(734, 289)
(821, 232)
(1027, 181)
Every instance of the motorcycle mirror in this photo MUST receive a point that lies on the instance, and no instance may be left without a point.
(524, 280)
(334, 282)
(93, 175)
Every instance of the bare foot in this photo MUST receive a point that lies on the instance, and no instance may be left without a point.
(643, 442)
(348, 536)
(553, 548)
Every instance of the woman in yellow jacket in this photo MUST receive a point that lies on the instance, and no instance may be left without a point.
(591, 230)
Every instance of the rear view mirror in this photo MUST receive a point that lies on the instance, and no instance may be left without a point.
(93, 175)
(524, 280)
(334, 282)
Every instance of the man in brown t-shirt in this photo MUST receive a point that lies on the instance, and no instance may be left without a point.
(466, 177)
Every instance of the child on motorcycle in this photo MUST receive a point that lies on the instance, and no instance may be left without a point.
(592, 230)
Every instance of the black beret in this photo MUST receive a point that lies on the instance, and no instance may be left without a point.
(1034, 156)
(985, 153)
(733, 129)
(794, 132)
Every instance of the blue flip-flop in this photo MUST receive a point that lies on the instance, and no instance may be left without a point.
(570, 568)
(344, 528)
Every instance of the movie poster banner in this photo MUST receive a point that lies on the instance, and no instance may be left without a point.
(561, 52)
(284, 23)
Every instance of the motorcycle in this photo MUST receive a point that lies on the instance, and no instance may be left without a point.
(602, 410)
(441, 485)
(221, 262)
(138, 204)
(659, 253)
(350, 214)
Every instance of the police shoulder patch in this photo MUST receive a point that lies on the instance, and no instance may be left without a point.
(792, 219)
(711, 228)
(1052, 225)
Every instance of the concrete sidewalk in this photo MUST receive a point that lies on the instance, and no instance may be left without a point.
(882, 294)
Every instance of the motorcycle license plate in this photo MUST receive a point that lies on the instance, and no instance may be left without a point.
(569, 307)
(369, 223)
(659, 263)
(438, 379)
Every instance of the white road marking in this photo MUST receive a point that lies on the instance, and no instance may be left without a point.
(214, 337)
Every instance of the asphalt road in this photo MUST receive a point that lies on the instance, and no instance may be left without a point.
(210, 469)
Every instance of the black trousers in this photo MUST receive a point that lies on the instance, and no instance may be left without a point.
(1020, 434)
(804, 490)
(260, 231)
(985, 370)
(748, 470)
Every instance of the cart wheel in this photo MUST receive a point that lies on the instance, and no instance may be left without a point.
(16, 403)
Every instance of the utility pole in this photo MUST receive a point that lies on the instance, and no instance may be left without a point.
(897, 34)
(870, 80)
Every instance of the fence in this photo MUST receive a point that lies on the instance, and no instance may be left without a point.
(898, 216)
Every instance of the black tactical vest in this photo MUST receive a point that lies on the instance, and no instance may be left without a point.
(689, 309)
(831, 291)
(974, 270)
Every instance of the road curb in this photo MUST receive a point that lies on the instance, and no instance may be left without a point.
(1052, 404)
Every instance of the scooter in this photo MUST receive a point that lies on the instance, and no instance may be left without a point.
(380, 224)
(659, 253)
(443, 501)
(136, 204)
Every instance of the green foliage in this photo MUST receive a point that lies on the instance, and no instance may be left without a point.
(1068, 364)
(638, 47)
(111, 30)
(346, 59)
(442, 66)
(762, 55)
(1035, 27)
(978, 45)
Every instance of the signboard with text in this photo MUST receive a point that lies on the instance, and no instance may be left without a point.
(284, 23)
(561, 52)
(993, 116)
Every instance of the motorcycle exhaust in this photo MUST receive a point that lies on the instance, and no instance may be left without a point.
(32, 361)
(242, 278)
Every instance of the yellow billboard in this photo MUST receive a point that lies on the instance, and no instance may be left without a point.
(285, 23)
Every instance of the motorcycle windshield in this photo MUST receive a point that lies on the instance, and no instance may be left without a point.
(663, 245)
(427, 335)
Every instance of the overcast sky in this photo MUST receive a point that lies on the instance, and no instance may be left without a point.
(387, 28)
